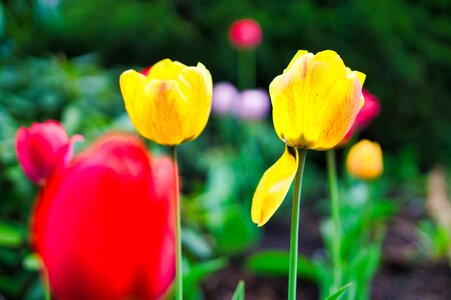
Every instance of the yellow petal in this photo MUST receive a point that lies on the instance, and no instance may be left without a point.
(162, 113)
(196, 85)
(295, 58)
(132, 87)
(288, 92)
(165, 69)
(274, 186)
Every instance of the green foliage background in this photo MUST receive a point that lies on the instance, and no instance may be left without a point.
(402, 46)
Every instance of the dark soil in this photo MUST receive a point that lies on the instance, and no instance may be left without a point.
(404, 274)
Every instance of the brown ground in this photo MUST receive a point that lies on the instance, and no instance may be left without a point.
(402, 276)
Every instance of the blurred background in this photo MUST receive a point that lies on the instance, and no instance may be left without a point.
(61, 59)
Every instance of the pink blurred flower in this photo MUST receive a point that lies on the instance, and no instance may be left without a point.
(253, 104)
(245, 34)
(224, 97)
(366, 115)
(42, 148)
(104, 226)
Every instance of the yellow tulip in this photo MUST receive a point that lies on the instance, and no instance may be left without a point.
(170, 105)
(315, 102)
(364, 160)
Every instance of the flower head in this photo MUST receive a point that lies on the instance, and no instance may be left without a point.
(104, 226)
(315, 102)
(170, 105)
(245, 34)
(42, 148)
(364, 160)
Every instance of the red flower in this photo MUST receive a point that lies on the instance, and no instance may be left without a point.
(245, 34)
(366, 115)
(104, 226)
(43, 148)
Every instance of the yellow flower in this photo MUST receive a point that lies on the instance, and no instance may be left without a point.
(172, 104)
(365, 161)
(315, 102)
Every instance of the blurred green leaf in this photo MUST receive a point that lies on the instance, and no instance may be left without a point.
(232, 229)
(276, 263)
(195, 243)
(239, 291)
(195, 274)
(11, 235)
(32, 262)
(338, 293)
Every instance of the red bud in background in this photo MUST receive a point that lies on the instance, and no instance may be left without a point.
(245, 34)
(104, 226)
(366, 115)
(42, 148)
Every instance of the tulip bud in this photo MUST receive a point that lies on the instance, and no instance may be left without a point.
(364, 160)
(245, 34)
(370, 110)
(42, 148)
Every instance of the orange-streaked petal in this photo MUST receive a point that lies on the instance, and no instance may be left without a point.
(196, 85)
(274, 186)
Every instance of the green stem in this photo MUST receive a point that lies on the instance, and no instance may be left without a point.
(336, 237)
(246, 69)
(47, 294)
(294, 235)
(178, 239)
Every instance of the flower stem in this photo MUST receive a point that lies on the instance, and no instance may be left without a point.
(246, 69)
(336, 238)
(178, 239)
(294, 235)
(47, 294)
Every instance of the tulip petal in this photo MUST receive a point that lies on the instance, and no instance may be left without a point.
(165, 69)
(288, 97)
(195, 84)
(274, 186)
(163, 111)
(295, 58)
(132, 85)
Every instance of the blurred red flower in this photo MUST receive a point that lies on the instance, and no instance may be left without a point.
(146, 70)
(104, 226)
(245, 34)
(42, 148)
(366, 115)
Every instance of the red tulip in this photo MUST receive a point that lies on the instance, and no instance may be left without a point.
(245, 34)
(42, 148)
(104, 226)
(366, 115)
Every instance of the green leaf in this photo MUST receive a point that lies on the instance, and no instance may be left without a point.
(198, 272)
(338, 293)
(195, 243)
(32, 262)
(239, 291)
(276, 262)
(11, 236)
